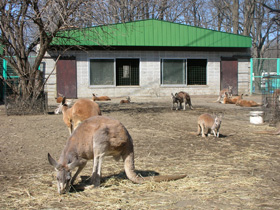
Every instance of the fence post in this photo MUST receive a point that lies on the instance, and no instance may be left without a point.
(278, 66)
(251, 76)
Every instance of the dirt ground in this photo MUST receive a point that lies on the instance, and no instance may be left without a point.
(240, 170)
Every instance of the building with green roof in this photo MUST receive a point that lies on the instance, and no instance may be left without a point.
(147, 58)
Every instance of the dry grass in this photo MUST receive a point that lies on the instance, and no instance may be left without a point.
(238, 171)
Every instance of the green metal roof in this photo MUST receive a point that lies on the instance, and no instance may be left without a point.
(151, 33)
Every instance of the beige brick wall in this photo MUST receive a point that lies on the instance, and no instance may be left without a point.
(149, 73)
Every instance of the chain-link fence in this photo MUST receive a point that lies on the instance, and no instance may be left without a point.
(265, 80)
(18, 104)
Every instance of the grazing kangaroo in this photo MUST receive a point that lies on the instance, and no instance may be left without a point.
(81, 110)
(207, 124)
(95, 138)
(222, 93)
(179, 98)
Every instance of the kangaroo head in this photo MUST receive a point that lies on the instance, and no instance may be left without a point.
(217, 121)
(58, 110)
(63, 175)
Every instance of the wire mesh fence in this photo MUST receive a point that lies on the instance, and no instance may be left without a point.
(18, 104)
(270, 96)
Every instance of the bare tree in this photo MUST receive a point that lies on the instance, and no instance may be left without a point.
(25, 24)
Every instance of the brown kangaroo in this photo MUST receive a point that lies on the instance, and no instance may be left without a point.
(81, 110)
(233, 100)
(95, 138)
(125, 101)
(181, 97)
(207, 124)
(100, 98)
(222, 93)
(246, 103)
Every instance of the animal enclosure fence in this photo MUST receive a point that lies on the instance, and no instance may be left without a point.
(12, 93)
(16, 105)
(265, 80)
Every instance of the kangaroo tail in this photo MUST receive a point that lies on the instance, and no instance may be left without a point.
(131, 175)
(164, 178)
(268, 132)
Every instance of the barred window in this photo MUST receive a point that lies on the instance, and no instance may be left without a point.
(173, 71)
(196, 71)
(102, 72)
(127, 72)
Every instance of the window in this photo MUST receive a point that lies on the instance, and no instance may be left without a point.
(196, 71)
(127, 72)
(102, 72)
(173, 71)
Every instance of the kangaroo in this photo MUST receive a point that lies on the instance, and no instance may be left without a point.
(246, 103)
(174, 101)
(207, 124)
(222, 93)
(126, 101)
(233, 100)
(277, 132)
(100, 98)
(95, 138)
(181, 97)
(81, 110)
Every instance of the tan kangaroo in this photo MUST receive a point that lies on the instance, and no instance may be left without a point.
(207, 123)
(277, 132)
(100, 98)
(125, 101)
(222, 93)
(246, 103)
(95, 138)
(233, 100)
(81, 110)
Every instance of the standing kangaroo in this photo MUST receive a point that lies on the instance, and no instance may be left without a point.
(95, 138)
(207, 124)
(179, 98)
(81, 110)
(222, 93)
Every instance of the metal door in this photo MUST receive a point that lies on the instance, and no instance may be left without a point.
(66, 77)
(229, 74)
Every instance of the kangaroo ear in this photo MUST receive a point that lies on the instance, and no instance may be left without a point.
(63, 100)
(53, 162)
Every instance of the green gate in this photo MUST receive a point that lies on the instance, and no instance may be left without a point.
(261, 69)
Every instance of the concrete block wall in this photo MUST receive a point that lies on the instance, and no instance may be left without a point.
(149, 74)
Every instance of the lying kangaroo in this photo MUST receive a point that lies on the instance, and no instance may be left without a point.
(233, 100)
(100, 98)
(246, 103)
(222, 93)
(125, 101)
(95, 138)
(179, 98)
(207, 124)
